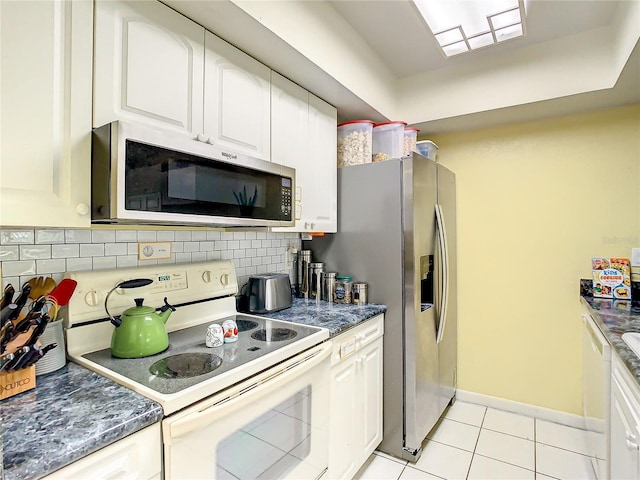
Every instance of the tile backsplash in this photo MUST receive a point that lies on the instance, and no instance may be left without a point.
(25, 253)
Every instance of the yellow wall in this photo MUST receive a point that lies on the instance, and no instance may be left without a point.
(535, 202)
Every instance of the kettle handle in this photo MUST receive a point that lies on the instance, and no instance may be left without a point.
(167, 306)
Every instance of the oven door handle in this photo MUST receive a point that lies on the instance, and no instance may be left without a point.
(247, 392)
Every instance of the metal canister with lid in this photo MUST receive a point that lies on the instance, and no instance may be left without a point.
(360, 293)
(303, 259)
(328, 286)
(343, 289)
(316, 270)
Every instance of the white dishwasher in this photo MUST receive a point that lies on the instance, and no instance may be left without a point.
(596, 385)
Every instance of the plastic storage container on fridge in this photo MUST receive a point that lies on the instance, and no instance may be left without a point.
(388, 140)
(355, 142)
(409, 142)
(427, 148)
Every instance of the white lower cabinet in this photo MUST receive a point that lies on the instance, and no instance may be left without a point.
(625, 423)
(45, 111)
(136, 457)
(356, 398)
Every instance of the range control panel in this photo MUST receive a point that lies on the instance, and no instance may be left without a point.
(179, 283)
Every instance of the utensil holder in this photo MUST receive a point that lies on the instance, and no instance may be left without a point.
(56, 358)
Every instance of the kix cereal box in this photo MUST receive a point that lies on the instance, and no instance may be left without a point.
(611, 277)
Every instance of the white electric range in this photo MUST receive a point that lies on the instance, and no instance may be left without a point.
(267, 392)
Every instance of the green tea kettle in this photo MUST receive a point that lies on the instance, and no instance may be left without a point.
(140, 331)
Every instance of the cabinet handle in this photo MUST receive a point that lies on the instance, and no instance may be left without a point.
(202, 137)
(632, 445)
(82, 208)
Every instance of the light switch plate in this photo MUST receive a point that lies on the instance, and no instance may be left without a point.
(154, 250)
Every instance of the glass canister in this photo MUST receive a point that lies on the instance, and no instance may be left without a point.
(343, 289)
(316, 270)
(328, 286)
(360, 293)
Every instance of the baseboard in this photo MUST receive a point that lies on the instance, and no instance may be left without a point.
(555, 416)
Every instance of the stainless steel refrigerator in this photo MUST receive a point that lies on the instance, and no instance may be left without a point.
(397, 232)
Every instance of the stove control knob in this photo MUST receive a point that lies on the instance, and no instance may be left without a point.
(224, 279)
(206, 276)
(92, 298)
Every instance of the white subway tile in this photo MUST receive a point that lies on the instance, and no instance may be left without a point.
(213, 235)
(272, 251)
(177, 247)
(30, 252)
(79, 264)
(49, 236)
(261, 252)
(214, 255)
(245, 244)
(233, 244)
(265, 243)
(261, 235)
(191, 247)
(245, 262)
(239, 235)
(239, 254)
(125, 236)
(250, 235)
(240, 271)
(104, 263)
(220, 244)
(146, 263)
(103, 236)
(183, 258)
(198, 235)
(77, 236)
(147, 236)
(17, 268)
(256, 261)
(132, 249)
(226, 255)
(183, 236)
(115, 249)
(50, 266)
(14, 281)
(262, 268)
(92, 249)
(199, 257)
(12, 237)
(9, 252)
(226, 235)
(126, 261)
(250, 252)
(206, 246)
(166, 236)
(276, 259)
(65, 251)
(251, 270)
(256, 243)
(266, 260)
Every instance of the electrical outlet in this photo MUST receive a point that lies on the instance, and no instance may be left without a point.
(291, 251)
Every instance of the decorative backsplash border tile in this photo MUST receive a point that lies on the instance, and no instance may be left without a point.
(25, 253)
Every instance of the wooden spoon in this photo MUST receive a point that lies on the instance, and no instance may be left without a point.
(41, 286)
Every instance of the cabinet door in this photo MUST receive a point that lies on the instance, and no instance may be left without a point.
(322, 209)
(237, 110)
(370, 401)
(303, 136)
(625, 426)
(149, 64)
(45, 139)
(343, 430)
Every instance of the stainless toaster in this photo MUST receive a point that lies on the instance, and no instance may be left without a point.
(266, 292)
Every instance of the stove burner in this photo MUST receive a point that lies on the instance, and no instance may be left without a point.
(274, 334)
(244, 325)
(185, 365)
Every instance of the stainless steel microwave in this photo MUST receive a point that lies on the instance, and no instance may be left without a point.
(143, 175)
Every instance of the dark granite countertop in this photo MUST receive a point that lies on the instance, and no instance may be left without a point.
(71, 413)
(614, 318)
(336, 317)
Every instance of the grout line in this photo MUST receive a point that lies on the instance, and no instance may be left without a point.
(535, 445)
(473, 454)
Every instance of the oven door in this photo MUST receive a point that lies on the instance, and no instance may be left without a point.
(274, 425)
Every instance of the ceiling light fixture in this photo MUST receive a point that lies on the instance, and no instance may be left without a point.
(464, 25)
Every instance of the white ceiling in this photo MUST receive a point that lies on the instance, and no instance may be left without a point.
(296, 38)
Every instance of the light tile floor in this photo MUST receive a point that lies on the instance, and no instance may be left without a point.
(480, 443)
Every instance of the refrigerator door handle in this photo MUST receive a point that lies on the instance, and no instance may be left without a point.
(444, 273)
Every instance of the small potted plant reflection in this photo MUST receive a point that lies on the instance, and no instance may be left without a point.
(246, 202)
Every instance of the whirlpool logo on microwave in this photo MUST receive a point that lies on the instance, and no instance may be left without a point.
(232, 156)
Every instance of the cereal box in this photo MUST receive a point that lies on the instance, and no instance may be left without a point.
(611, 278)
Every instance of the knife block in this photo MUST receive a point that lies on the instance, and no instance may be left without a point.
(13, 383)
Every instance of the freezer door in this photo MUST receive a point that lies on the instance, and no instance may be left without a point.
(448, 327)
(421, 372)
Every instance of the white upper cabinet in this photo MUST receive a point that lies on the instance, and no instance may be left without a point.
(303, 136)
(149, 66)
(45, 112)
(237, 102)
